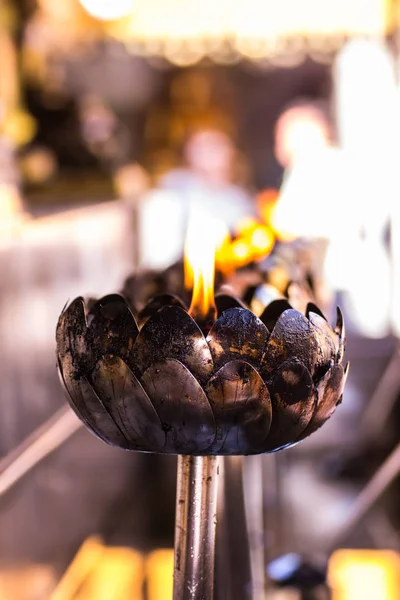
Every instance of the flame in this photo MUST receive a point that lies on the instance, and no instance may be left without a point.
(205, 235)
(209, 245)
(253, 242)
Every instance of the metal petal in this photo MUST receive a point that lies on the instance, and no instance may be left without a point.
(128, 404)
(225, 301)
(313, 308)
(182, 407)
(340, 329)
(328, 345)
(273, 311)
(71, 336)
(242, 409)
(293, 401)
(88, 407)
(330, 390)
(158, 302)
(292, 337)
(112, 327)
(172, 333)
(237, 333)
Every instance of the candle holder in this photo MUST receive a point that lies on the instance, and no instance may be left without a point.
(164, 383)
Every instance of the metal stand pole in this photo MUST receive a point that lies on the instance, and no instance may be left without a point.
(254, 510)
(235, 558)
(195, 524)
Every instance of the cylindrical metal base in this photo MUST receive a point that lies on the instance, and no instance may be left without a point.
(254, 510)
(195, 521)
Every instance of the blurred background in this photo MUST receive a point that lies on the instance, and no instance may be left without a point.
(283, 120)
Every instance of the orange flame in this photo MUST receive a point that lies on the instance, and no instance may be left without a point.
(204, 235)
(254, 242)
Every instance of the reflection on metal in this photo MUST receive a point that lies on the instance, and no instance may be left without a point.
(195, 525)
(211, 381)
(126, 384)
(37, 446)
(379, 483)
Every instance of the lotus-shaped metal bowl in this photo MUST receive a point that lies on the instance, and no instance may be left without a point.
(250, 385)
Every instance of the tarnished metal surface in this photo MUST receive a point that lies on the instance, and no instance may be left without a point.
(252, 385)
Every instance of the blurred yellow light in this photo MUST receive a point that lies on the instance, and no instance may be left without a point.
(99, 572)
(262, 239)
(107, 10)
(364, 575)
(240, 249)
(245, 226)
(83, 564)
(159, 572)
(264, 31)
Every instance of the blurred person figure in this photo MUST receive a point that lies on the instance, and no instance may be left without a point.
(367, 117)
(103, 132)
(207, 177)
(309, 209)
(325, 201)
(131, 181)
(204, 181)
(308, 195)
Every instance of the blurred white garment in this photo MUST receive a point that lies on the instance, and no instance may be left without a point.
(367, 117)
(225, 201)
(161, 229)
(368, 296)
(345, 198)
(313, 196)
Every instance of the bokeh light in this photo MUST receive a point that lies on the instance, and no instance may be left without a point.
(108, 10)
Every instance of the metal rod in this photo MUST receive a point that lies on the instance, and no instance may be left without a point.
(42, 442)
(196, 518)
(222, 576)
(374, 489)
(254, 511)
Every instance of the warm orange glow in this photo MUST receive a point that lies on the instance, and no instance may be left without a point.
(366, 574)
(95, 570)
(245, 226)
(253, 242)
(204, 235)
(265, 201)
(160, 572)
(267, 206)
